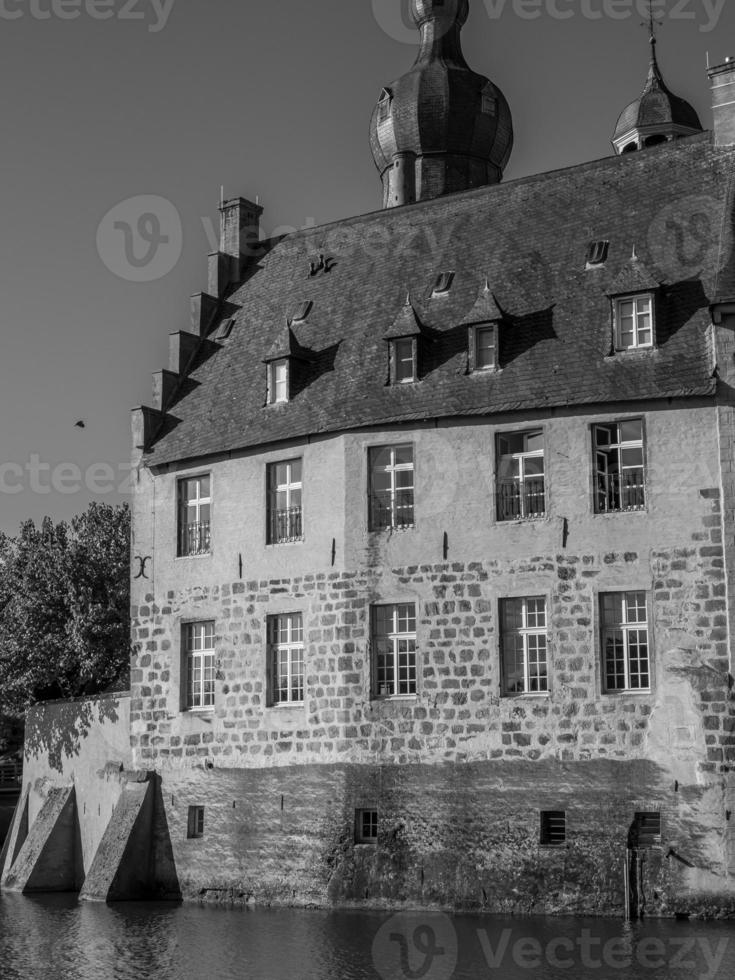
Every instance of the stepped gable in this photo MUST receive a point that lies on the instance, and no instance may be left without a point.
(530, 239)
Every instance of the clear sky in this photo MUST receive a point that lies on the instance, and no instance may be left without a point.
(106, 102)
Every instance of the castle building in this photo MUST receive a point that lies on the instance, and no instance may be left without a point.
(434, 523)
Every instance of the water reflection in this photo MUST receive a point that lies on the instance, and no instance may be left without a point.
(56, 938)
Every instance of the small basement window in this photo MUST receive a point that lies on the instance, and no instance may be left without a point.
(646, 829)
(553, 828)
(195, 825)
(366, 826)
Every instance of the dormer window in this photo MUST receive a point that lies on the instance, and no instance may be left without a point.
(634, 322)
(597, 253)
(278, 381)
(385, 106)
(302, 313)
(404, 340)
(403, 360)
(489, 102)
(443, 284)
(483, 348)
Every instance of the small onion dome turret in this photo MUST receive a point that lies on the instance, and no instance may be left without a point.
(441, 127)
(657, 116)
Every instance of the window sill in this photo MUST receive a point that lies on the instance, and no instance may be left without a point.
(522, 520)
(281, 705)
(206, 554)
(512, 695)
(388, 530)
(282, 544)
(395, 697)
(208, 710)
(617, 513)
(637, 692)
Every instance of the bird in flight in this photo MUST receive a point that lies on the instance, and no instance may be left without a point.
(81, 424)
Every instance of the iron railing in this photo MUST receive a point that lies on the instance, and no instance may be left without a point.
(521, 498)
(620, 491)
(391, 510)
(285, 525)
(194, 539)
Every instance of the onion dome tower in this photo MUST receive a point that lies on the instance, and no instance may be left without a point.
(441, 127)
(658, 116)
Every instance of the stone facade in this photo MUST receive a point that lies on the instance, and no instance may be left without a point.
(458, 773)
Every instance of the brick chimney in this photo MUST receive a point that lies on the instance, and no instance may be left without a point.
(722, 78)
(239, 237)
(239, 227)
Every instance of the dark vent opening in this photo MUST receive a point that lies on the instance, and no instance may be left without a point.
(553, 827)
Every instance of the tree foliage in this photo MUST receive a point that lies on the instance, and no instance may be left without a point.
(64, 607)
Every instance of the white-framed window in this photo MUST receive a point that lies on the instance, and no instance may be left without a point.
(278, 373)
(285, 511)
(634, 322)
(199, 656)
(553, 828)
(194, 515)
(391, 491)
(366, 826)
(394, 650)
(403, 360)
(195, 822)
(286, 655)
(619, 466)
(524, 645)
(521, 485)
(484, 348)
(625, 656)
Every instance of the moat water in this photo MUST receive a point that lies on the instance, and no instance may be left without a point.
(57, 938)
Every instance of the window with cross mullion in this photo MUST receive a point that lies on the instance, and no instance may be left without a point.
(199, 649)
(619, 466)
(285, 514)
(286, 643)
(394, 640)
(195, 505)
(391, 488)
(524, 647)
(521, 489)
(625, 641)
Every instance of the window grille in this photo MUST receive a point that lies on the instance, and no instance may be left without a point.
(524, 645)
(394, 650)
(625, 641)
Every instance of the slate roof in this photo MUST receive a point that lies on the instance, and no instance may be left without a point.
(672, 204)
